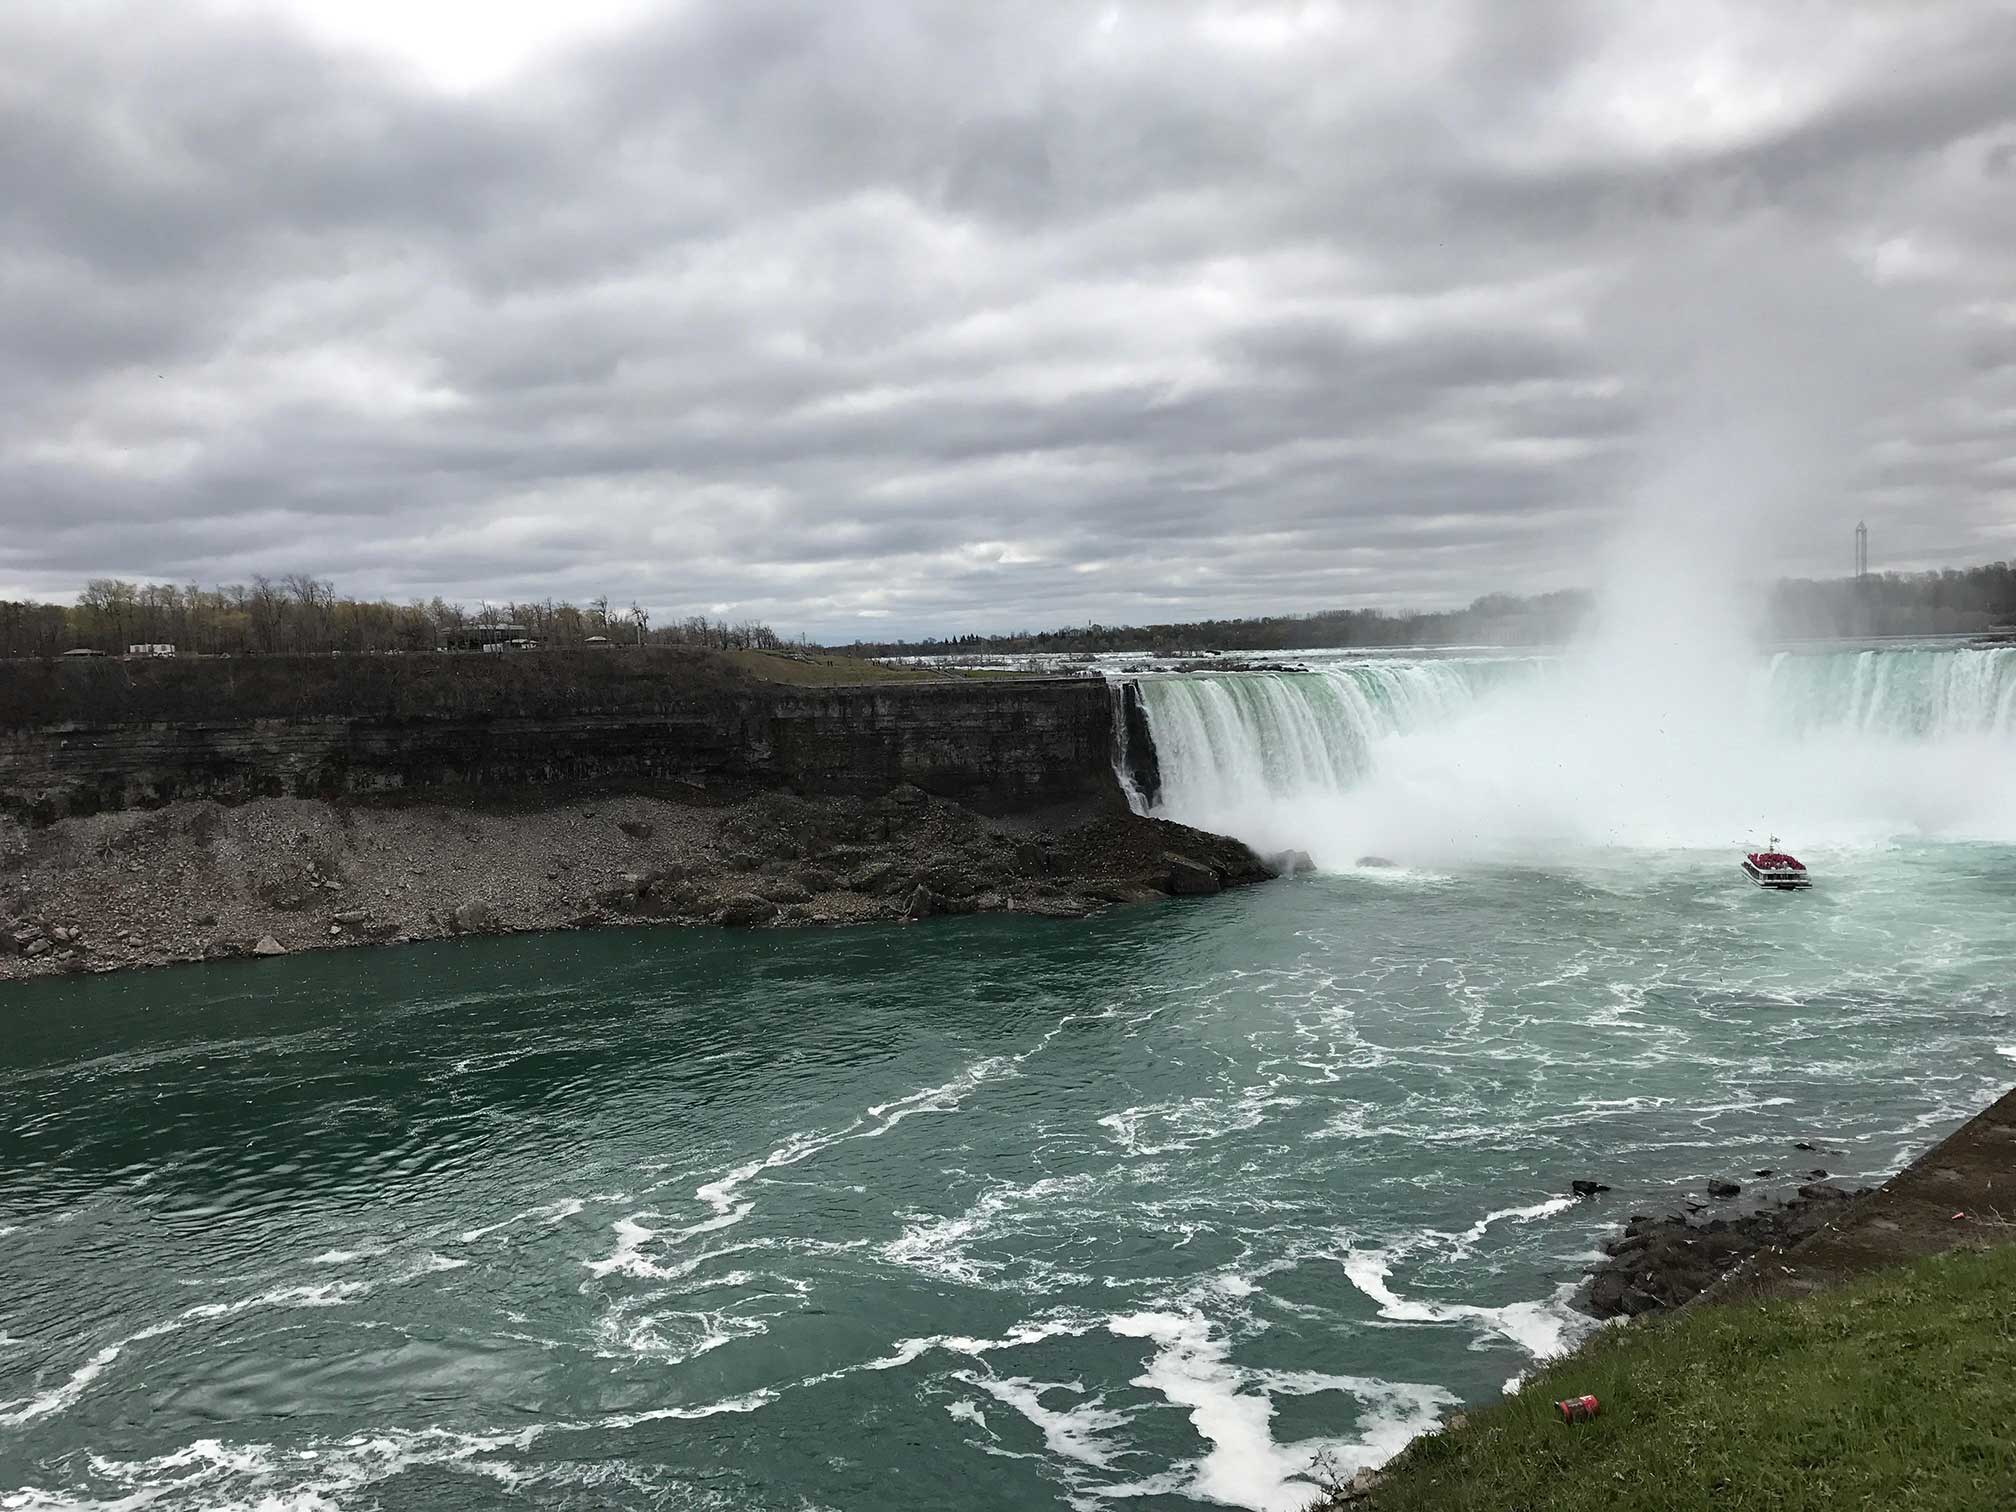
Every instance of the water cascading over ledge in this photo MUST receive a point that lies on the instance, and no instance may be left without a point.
(1460, 756)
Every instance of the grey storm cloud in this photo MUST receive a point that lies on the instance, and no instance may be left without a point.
(927, 316)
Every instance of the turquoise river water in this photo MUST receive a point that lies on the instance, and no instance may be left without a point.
(1141, 1211)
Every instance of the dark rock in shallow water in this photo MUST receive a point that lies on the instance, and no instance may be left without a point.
(1762, 1173)
(1724, 1189)
(1824, 1191)
(1662, 1262)
(1587, 1188)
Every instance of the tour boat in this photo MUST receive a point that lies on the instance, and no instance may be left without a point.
(1773, 868)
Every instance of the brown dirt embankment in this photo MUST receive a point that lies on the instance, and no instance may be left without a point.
(199, 879)
(1961, 1192)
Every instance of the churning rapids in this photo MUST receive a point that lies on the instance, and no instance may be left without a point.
(995, 1213)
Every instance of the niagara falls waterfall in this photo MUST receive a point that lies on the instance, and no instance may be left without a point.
(1440, 760)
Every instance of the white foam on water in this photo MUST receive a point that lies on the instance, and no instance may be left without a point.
(2007, 1051)
(343, 1256)
(548, 1214)
(1076, 1433)
(907, 1351)
(947, 1097)
(749, 1403)
(628, 1256)
(27, 1409)
(1477, 1230)
(59, 1397)
(723, 1196)
(673, 1336)
(328, 1474)
(939, 1246)
(1188, 1122)
(964, 1411)
(1543, 1329)
(1245, 1466)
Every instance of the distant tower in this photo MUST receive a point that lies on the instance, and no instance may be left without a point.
(1861, 552)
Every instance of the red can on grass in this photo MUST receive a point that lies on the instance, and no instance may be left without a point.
(1577, 1409)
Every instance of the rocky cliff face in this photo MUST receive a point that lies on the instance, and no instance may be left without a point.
(151, 814)
(993, 747)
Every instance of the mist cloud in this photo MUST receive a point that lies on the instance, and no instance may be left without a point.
(935, 316)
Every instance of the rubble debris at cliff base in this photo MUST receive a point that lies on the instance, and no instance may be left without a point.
(200, 880)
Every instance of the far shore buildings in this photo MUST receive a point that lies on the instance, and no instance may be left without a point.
(495, 637)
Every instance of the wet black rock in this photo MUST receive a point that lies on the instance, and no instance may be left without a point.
(1724, 1189)
(1662, 1262)
(1587, 1188)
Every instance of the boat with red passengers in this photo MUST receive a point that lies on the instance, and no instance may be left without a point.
(1774, 868)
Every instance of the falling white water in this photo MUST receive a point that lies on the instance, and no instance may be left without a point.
(1437, 762)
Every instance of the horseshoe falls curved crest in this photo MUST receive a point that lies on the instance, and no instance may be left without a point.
(1442, 761)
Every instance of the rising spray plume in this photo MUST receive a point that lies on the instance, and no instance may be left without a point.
(1668, 724)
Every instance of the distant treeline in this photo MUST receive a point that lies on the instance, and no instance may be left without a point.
(1966, 601)
(1495, 619)
(1956, 601)
(301, 614)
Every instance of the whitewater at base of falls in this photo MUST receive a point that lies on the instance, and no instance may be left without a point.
(1440, 761)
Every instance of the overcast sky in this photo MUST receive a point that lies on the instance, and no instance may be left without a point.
(911, 315)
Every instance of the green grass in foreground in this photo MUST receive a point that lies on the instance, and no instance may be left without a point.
(1897, 1391)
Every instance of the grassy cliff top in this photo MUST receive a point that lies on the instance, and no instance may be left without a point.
(1896, 1390)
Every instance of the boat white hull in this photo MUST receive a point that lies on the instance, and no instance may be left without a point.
(1777, 881)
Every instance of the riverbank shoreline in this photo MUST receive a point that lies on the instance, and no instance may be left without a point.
(1958, 1195)
(202, 880)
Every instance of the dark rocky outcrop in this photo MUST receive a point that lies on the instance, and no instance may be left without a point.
(1663, 1262)
(188, 810)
